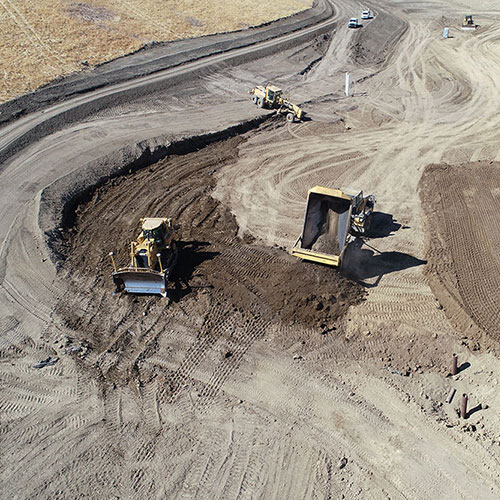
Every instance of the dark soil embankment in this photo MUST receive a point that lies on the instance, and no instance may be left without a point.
(217, 269)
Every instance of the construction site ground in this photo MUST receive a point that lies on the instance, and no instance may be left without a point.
(45, 40)
(265, 377)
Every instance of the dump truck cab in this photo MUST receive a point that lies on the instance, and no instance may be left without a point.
(362, 211)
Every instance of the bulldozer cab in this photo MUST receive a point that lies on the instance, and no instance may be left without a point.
(141, 259)
(156, 229)
(272, 93)
(468, 23)
(152, 258)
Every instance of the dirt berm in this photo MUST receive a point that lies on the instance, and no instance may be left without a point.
(463, 237)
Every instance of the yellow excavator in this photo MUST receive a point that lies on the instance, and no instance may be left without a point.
(272, 97)
(152, 257)
(331, 216)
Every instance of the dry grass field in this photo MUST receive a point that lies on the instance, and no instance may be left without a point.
(41, 40)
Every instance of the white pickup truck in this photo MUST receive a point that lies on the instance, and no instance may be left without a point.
(366, 14)
(353, 23)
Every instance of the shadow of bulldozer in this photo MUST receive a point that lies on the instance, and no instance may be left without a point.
(383, 225)
(191, 255)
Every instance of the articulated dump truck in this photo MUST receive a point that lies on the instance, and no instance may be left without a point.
(332, 215)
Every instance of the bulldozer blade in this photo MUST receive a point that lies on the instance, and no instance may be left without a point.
(141, 282)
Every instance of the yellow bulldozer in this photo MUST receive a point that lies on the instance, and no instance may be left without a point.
(468, 23)
(331, 216)
(152, 258)
(272, 97)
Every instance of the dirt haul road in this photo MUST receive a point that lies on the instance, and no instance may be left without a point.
(217, 396)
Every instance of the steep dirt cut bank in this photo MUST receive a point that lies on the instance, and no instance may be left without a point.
(461, 203)
(218, 272)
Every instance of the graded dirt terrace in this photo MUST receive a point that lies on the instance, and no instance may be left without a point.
(223, 394)
(217, 271)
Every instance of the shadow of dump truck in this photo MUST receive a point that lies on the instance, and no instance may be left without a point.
(361, 264)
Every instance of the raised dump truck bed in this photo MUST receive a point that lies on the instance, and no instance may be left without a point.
(326, 227)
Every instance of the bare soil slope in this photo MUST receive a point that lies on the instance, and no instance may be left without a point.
(461, 203)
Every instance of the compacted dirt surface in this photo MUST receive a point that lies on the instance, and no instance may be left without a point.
(460, 201)
(263, 377)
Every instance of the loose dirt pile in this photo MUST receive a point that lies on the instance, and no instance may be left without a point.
(462, 203)
(327, 242)
(218, 273)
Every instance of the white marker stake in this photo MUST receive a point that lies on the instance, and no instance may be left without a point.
(347, 81)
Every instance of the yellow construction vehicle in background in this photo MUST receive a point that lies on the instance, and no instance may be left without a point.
(152, 258)
(468, 23)
(331, 216)
(272, 97)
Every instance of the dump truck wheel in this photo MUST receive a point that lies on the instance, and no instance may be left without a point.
(290, 117)
(254, 99)
(260, 102)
